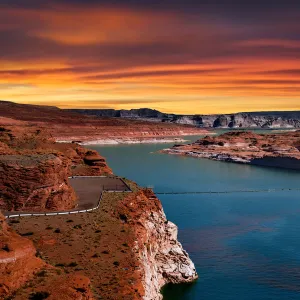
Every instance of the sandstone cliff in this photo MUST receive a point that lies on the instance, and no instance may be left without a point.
(160, 256)
(272, 150)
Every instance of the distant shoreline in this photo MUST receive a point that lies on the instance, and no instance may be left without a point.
(120, 141)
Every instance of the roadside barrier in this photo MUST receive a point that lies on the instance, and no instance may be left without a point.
(230, 192)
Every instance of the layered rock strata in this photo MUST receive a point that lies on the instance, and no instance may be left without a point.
(273, 150)
(277, 119)
(34, 170)
(160, 256)
(72, 126)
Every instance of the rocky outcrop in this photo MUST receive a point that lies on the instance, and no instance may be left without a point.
(272, 150)
(237, 120)
(34, 170)
(18, 262)
(36, 182)
(160, 256)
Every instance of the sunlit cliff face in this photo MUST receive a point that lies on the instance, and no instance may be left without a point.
(182, 58)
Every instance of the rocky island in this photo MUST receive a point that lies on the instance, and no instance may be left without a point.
(272, 150)
(125, 249)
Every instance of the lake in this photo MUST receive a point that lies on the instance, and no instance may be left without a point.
(244, 245)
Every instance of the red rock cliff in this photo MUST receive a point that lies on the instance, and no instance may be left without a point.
(34, 170)
(160, 256)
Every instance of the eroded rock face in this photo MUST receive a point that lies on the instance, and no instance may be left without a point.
(273, 150)
(35, 182)
(160, 256)
(18, 262)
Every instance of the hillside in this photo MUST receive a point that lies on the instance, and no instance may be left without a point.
(71, 126)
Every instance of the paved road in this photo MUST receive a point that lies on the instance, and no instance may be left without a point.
(88, 189)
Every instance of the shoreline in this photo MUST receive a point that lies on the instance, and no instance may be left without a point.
(120, 141)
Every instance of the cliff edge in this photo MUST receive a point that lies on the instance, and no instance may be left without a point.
(161, 257)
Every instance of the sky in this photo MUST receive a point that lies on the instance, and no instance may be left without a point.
(179, 56)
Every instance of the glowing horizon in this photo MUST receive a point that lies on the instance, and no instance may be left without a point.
(191, 59)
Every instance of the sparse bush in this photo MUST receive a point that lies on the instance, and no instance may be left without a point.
(5, 248)
(42, 273)
(73, 264)
(27, 233)
(78, 226)
(39, 296)
(59, 265)
(14, 221)
(116, 263)
(57, 230)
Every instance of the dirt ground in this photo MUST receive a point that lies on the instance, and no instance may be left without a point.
(95, 244)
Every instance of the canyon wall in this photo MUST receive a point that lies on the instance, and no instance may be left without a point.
(160, 256)
(236, 120)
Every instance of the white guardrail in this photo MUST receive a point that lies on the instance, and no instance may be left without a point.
(72, 211)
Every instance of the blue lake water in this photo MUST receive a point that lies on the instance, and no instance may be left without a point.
(244, 245)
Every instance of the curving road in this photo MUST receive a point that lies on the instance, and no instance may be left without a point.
(89, 190)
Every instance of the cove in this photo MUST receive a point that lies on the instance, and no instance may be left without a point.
(244, 245)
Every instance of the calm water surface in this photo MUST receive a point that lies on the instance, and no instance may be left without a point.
(244, 245)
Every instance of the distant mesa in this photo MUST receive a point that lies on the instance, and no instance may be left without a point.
(268, 119)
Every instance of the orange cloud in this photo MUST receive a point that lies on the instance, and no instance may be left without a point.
(106, 56)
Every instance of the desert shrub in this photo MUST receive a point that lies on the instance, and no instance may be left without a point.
(5, 248)
(78, 226)
(14, 221)
(73, 264)
(39, 295)
(42, 273)
(59, 265)
(27, 233)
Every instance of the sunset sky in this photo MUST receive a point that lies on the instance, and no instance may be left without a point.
(181, 56)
